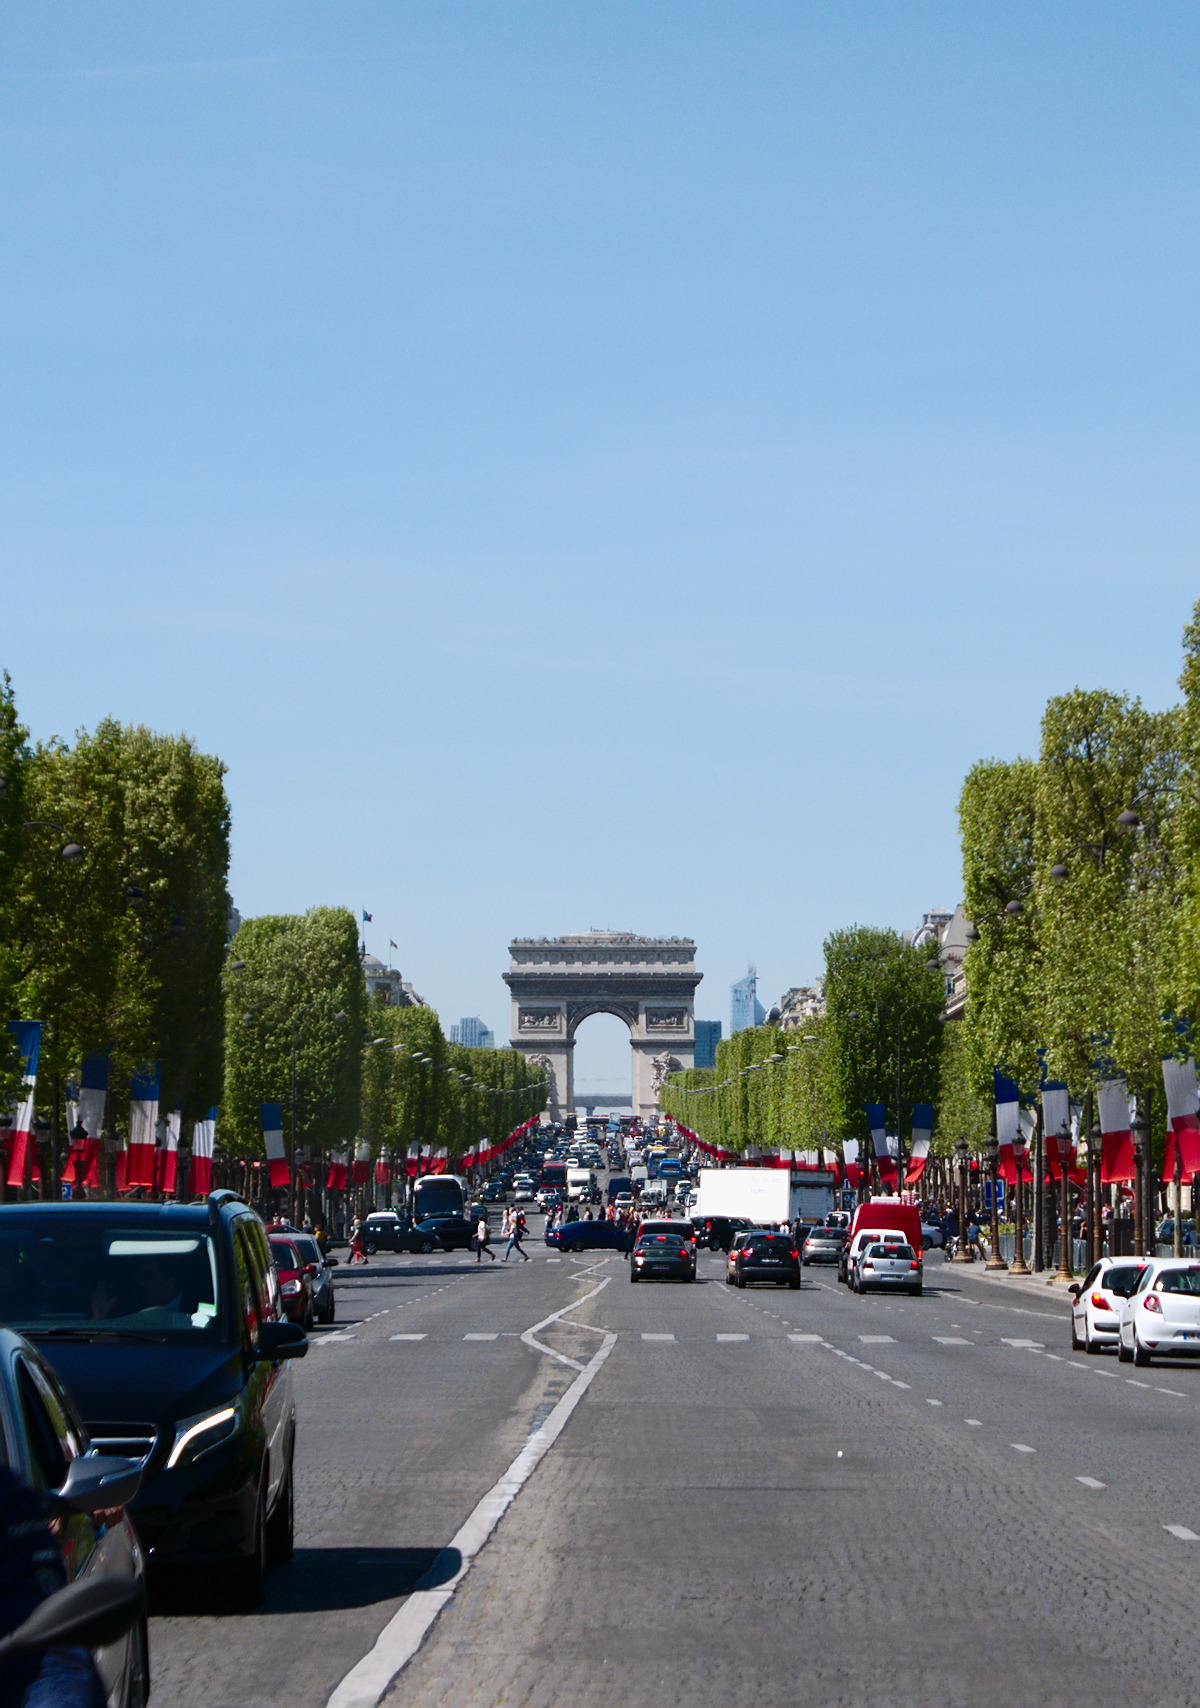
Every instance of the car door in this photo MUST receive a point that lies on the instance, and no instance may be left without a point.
(270, 1382)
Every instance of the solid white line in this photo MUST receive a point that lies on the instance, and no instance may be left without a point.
(404, 1633)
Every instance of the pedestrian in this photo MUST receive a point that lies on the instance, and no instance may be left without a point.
(357, 1253)
(516, 1235)
(483, 1238)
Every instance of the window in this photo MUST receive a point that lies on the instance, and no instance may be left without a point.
(1179, 1281)
(50, 1457)
(92, 1272)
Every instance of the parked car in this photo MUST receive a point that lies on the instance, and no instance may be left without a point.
(889, 1268)
(1098, 1300)
(662, 1255)
(762, 1256)
(717, 1232)
(46, 1444)
(589, 1236)
(166, 1324)
(1161, 1317)
(823, 1245)
(295, 1280)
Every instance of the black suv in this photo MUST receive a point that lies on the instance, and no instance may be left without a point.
(165, 1322)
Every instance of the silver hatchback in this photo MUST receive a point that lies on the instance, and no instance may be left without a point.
(888, 1268)
(823, 1245)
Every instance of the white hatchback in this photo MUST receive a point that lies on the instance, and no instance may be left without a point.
(1161, 1317)
(1098, 1301)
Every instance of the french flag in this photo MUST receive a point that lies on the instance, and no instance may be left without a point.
(19, 1136)
(412, 1162)
(203, 1138)
(1116, 1131)
(143, 1128)
(880, 1143)
(338, 1172)
(1183, 1139)
(922, 1129)
(1056, 1115)
(361, 1167)
(1008, 1122)
(850, 1161)
(166, 1161)
(272, 1129)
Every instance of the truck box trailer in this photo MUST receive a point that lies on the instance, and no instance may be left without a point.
(764, 1194)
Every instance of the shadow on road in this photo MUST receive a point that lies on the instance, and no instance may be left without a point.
(325, 1579)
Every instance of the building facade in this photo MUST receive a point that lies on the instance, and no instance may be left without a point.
(744, 1007)
(472, 1032)
(394, 990)
(708, 1036)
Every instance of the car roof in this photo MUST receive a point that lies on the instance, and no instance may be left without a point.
(192, 1215)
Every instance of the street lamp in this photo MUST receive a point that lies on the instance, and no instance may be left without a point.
(1066, 1270)
(1141, 1136)
(1020, 1152)
(992, 1148)
(1094, 1223)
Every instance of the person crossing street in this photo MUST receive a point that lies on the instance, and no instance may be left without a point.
(515, 1235)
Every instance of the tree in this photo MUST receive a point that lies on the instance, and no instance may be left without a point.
(964, 1106)
(301, 980)
(14, 771)
(881, 998)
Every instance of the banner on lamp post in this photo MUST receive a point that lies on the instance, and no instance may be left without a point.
(143, 1128)
(1116, 1131)
(922, 1129)
(1183, 1126)
(278, 1170)
(19, 1134)
(204, 1135)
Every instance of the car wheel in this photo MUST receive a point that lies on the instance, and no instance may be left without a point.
(426, 1247)
(137, 1673)
(714, 1245)
(915, 1292)
(1090, 1345)
(633, 1274)
(370, 1248)
(1076, 1343)
(795, 1285)
(1123, 1354)
(331, 1312)
(1140, 1356)
(309, 1319)
(281, 1526)
(246, 1580)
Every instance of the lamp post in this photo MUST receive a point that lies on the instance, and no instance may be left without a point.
(1065, 1271)
(1141, 1135)
(992, 1149)
(962, 1151)
(1095, 1223)
(1020, 1152)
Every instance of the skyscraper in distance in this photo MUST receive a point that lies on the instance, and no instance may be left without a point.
(708, 1036)
(472, 1032)
(744, 1007)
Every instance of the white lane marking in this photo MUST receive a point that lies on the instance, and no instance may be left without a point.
(1020, 1447)
(1133, 1383)
(897, 1384)
(332, 1339)
(733, 1337)
(878, 1339)
(481, 1337)
(1056, 1356)
(950, 1340)
(404, 1633)
(554, 1260)
(1091, 1482)
(1112, 1374)
(664, 1337)
(1006, 1340)
(1182, 1532)
(975, 1422)
(808, 1339)
(406, 1337)
(933, 1402)
(1174, 1393)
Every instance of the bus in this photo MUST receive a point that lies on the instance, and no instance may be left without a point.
(439, 1195)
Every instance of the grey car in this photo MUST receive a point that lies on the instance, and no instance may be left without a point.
(887, 1269)
(823, 1245)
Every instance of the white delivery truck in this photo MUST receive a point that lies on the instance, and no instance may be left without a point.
(764, 1194)
(580, 1182)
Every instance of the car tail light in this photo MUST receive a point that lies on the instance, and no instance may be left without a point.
(868, 1266)
(1100, 1302)
(1152, 1304)
(796, 1256)
(914, 1265)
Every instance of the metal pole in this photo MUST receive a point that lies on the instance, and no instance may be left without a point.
(1066, 1270)
(1039, 1197)
(899, 1140)
(995, 1261)
(1177, 1212)
(1139, 1185)
(1095, 1219)
(295, 1218)
(1019, 1265)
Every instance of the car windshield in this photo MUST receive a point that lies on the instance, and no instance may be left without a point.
(1122, 1281)
(897, 1251)
(773, 1243)
(90, 1275)
(667, 1242)
(1179, 1281)
(284, 1255)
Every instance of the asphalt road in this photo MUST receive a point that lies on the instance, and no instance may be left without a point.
(682, 1493)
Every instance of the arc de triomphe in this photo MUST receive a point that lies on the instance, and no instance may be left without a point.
(649, 982)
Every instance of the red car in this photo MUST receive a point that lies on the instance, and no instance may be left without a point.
(295, 1280)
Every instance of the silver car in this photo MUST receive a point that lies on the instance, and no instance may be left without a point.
(823, 1245)
(889, 1268)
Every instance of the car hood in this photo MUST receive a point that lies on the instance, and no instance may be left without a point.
(128, 1383)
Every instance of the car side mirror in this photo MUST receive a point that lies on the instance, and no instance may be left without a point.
(87, 1614)
(281, 1340)
(96, 1481)
(333, 1262)
(311, 1269)
(1073, 1289)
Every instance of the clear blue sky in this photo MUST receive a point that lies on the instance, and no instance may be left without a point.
(596, 465)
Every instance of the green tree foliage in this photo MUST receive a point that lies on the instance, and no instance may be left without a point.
(302, 979)
(770, 1090)
(880, 994)
(964, 1106)
(14, 771)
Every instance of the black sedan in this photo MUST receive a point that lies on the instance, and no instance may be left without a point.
(495, 1192)
(452, 1233)
(716, 1232)
(662, 1257)
(764, 1257)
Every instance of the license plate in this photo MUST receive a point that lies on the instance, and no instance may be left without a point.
(658, 1268)
(1187, 1335)
(770, 1260)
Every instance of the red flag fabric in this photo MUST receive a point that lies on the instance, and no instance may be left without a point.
(1116, 1136)
(1183, 1136)
(336, 1178)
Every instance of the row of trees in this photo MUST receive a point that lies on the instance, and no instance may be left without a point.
(114, 933)
(881, 1031)
(1081, 872)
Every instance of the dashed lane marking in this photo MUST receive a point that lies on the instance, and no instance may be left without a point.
(733, 1337)
(1020, 1447)
(661, 1337)
(1181, 1532)
(878, 1339)
(406, 1337)
(933, 1402)
(973, 1422)
(808, 1339)
(1091, 1482)
(951, 1340)
(1023, 1345)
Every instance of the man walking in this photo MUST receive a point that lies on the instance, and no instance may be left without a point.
(483, 1240)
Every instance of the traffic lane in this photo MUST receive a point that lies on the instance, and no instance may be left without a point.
(396, 1442)
(1078, 1419)
(738, 1520)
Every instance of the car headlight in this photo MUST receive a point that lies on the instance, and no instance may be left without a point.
(195, 1436)
(289, 1289)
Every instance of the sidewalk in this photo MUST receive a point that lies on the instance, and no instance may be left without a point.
(1043, 1286)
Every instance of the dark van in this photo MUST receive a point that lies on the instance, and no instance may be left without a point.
(165, 1322)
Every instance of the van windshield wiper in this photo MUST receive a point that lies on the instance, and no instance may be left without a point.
(97, 1331)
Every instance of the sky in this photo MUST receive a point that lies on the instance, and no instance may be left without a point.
(596, 465)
